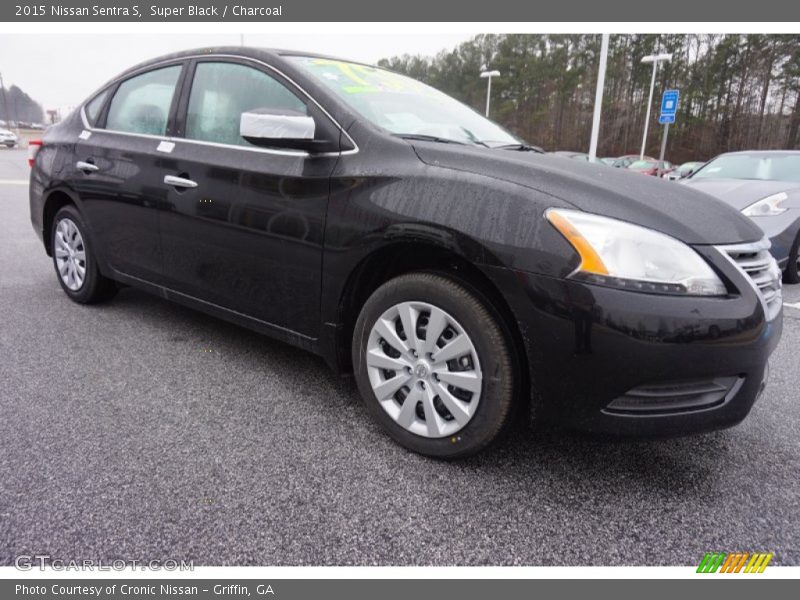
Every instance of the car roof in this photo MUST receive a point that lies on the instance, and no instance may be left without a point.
(264, 54)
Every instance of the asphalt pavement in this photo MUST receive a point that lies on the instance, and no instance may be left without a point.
(140, 429)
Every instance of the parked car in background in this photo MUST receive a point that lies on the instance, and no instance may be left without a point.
(8, 138)
(683, 170)
(573, 155)
(464, 278)
(765, 186)
(623, 162)
(608, 160)
(650, 167)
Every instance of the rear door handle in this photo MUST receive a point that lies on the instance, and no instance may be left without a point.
(86, 167)
(179, 182)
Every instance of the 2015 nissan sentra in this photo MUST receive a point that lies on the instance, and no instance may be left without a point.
(463, 276)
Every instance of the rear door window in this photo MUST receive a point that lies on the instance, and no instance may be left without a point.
(94, 106)
(142, 103)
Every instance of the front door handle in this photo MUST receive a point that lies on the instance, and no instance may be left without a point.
(86, 167)
(179, 182)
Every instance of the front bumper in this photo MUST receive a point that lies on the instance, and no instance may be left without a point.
(589, 346)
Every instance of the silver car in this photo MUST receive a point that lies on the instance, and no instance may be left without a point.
(8, 138)
(684, 170)
(765, 186)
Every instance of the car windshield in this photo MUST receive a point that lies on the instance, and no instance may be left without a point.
(642, 164)
(404, 106)
(762, 166)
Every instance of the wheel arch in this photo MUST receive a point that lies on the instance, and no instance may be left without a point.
(55, 200)
(403, 256)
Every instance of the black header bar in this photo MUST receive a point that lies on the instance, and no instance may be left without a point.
(781, 11)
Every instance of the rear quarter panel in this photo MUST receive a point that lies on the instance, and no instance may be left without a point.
(49, 169)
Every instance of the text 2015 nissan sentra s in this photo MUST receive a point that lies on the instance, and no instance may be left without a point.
(464, 277)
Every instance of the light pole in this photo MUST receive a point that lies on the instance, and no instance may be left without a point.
(598, 97)
(488, 75)
(653, 58)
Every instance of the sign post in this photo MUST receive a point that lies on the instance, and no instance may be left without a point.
(669, 106)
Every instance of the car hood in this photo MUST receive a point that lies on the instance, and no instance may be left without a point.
(677, 210)
(740, 193)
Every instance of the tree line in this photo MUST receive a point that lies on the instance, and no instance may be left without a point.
(18, 107)
(738, 92)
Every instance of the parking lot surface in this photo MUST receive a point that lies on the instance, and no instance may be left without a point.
(140, 429)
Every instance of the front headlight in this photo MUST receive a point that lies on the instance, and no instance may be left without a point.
(628, 256)
(767, 207)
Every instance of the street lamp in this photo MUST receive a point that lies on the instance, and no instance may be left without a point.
(488, 75)
(653, 58)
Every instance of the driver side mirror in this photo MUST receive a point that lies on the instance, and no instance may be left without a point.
(286, 129)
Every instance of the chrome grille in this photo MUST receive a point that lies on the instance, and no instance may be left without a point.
(755, 261)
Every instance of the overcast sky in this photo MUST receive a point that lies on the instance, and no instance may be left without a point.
(59, 71)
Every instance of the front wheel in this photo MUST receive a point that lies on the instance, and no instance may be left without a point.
(75, 264)
(792, 272)
(434, 365)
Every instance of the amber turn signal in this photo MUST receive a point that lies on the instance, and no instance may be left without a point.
(590, 260)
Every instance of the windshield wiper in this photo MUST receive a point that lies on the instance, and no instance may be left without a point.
(473, 139)
(427, 138)
(520, 148)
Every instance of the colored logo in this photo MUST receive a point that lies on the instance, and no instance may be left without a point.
(735, 562)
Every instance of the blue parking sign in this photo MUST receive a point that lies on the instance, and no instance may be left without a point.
(669, 102)
(663, 119)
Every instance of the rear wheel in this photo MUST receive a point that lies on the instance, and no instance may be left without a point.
(75, 264)
(434, 366)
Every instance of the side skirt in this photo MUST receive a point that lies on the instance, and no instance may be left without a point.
(274, 331)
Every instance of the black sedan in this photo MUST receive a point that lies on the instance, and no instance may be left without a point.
(464, 277)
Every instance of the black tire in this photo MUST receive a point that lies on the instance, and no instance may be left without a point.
(791, 273)
(491, 343)
(95, 288)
